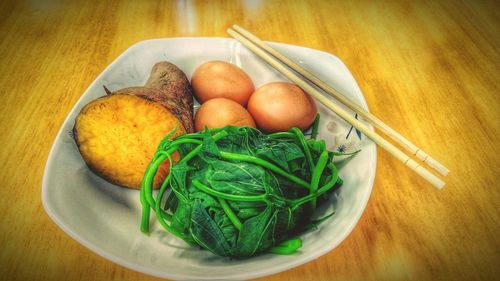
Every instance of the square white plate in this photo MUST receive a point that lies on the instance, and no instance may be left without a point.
(105, 218)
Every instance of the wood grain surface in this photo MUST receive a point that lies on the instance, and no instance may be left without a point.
(430, 69)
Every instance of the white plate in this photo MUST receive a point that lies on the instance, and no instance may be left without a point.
(105, 218)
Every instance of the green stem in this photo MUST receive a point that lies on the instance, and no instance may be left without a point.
(322, 190)
(145, 212)
(163, 188)
(218, 194)
(190, 136)
(174, 145)
(316, 176)
(183, 141)
(197, 149)
(230, 214)
(146, 192)
(287, 247)
(164, 154)
(149, 177)
(281, 135)
(305, 146)
(157, 206)
(315, 126)
(265, 164)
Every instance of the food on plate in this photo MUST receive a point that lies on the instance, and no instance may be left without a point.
(238, 192)
(220, 112)
(219, 79)
(117, 134)
(177, 93)
(279, 106)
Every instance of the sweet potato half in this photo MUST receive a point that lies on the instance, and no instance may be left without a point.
(117, 135)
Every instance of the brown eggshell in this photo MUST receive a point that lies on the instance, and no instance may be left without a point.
(279, 106)
(219, 79)
(219, 112)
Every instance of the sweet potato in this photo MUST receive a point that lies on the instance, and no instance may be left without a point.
(174, 84)
(118, 134)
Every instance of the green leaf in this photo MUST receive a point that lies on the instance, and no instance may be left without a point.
(206, 232)
(256, 234)
(279, 152)
(239, 178)
(236, 178)
(180, 219)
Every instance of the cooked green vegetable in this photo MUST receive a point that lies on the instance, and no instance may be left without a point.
(238, 192)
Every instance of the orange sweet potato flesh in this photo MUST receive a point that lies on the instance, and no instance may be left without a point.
(118, 134)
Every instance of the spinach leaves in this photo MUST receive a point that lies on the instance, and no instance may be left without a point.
(238, 192)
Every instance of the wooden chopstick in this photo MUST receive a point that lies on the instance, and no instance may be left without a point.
(394, 151)
(372, 119)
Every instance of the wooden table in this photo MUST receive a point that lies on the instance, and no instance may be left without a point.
(431, 69)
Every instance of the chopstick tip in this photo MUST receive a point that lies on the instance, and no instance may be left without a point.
(440, 185)
(437, 166)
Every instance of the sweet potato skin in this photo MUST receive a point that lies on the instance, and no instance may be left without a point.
(170, 80)
(117, 136)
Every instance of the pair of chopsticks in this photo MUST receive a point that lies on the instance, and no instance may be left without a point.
(289, 69)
